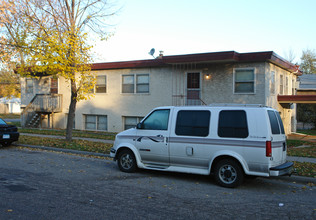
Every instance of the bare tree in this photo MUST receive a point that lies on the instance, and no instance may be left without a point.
(51, 37)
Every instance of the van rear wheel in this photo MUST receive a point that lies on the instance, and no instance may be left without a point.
(228, 173)
(126, 161)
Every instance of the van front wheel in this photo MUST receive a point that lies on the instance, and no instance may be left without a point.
(228, 173)
(126, 161)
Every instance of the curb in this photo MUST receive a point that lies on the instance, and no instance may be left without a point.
(86, 153)
(301, 159)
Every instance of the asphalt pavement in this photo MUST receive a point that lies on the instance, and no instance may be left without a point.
(36, 184)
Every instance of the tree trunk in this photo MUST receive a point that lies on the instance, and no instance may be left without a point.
(72, 110)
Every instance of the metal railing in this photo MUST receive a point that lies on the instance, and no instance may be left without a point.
(181, 100)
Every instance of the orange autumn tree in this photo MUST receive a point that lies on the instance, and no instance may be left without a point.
(52, 39)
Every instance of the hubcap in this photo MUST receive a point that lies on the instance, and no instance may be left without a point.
(126, 161)
(227, 174)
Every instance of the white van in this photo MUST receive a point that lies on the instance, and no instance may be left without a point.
(227, 140)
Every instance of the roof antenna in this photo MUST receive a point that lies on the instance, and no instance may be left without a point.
(152, 52)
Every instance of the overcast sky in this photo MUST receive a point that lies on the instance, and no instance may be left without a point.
(200, 26)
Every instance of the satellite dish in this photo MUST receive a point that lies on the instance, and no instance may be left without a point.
(152, 52)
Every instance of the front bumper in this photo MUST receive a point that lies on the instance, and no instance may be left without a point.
(9, 137)
(282, 170)
(112, 153)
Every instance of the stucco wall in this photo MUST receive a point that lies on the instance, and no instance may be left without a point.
(287, 112)
(167, 86)
(220, 88)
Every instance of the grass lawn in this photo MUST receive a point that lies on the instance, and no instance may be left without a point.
(305, 169)
(10, 116)
(292, 149)
(75, 133)
(80, 145)
(309, 132)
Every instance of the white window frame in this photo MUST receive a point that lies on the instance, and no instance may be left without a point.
(272, 83)
(293, 87)
(29, 89)
(95, 87)
(135, 84)
(281, 84)
(286, 85)
(138, 119)
(254, 81)
(96, 122)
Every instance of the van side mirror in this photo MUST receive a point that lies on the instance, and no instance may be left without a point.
(140, 126)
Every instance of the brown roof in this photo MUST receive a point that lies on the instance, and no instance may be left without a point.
(216, 57)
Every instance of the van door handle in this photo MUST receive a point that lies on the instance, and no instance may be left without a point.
(159, 135)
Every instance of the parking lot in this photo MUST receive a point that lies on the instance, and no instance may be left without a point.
(38, 184)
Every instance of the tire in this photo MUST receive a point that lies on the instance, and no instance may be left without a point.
(6, 144)
(228, 173)
(126, 161)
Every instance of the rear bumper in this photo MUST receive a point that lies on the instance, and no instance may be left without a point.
(281, 170)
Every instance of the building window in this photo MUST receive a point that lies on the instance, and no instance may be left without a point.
(54, 85)
(244, 80)
(128, 84)
(281, 85)
(131, 122)
(29, 85)
(140, 85)
(272, 83)
(293, 87)
(286, 85)
(96, 122)
(100, 86)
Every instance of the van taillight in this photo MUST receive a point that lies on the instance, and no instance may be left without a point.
(268, 149)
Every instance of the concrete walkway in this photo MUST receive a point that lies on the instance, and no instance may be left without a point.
(289, 158)
(301, 137)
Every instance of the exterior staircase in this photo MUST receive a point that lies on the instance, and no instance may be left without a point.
(40, 104)
(35, 121)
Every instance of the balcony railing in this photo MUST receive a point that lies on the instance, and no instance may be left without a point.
(41, 103)
(180, 100)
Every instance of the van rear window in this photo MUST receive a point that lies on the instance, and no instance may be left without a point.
(193, 123)
(233, 124)
(275, 128)
(280, 122)
(275, 122)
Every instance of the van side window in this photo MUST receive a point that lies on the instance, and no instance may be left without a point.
(193, 123)
(233, 124)
(158, 120)
(274, 122)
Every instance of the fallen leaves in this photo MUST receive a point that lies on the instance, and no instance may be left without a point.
(81, 145)
(305, 169)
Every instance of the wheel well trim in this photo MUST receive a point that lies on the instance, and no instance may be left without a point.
(228, 155)
(129, 147)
